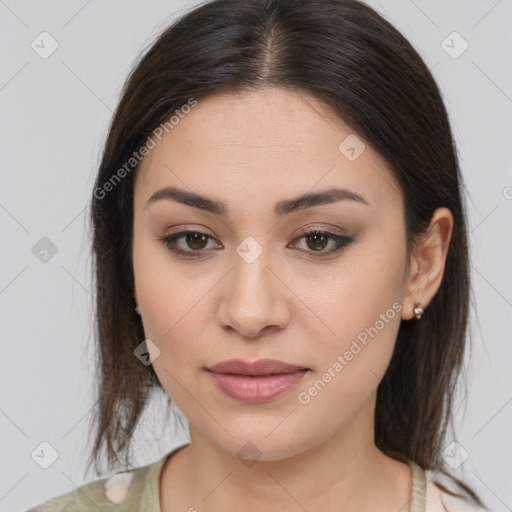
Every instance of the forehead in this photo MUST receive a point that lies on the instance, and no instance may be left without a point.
(270, 141)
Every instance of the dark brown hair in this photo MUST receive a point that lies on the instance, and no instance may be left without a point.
(346, 55)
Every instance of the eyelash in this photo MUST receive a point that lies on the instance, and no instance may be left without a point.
(341, 241)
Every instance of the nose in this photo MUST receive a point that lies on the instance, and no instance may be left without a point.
(254, 298)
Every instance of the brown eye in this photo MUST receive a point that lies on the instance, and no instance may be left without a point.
(196, 240)
(317, 241)
(192, 242)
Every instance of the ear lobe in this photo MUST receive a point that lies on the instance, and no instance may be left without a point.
(428, 260)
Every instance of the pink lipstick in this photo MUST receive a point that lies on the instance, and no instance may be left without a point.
(255, 382)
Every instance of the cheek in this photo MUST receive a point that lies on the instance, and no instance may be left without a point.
(175, 306)
(361, 314)
(167, 288)
(351, 363)
(353, 295)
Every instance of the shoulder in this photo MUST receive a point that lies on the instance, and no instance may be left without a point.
(120, 492)
(437, 500)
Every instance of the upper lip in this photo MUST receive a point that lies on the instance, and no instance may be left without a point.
(259, 367)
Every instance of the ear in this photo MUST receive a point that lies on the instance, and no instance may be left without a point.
(135, 295)
(427, 264)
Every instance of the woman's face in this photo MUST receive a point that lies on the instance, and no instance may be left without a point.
(252, 286)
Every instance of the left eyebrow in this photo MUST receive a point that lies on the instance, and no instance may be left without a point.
(281, 209)
(311, 199)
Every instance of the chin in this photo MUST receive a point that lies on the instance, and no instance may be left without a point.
(257, 447)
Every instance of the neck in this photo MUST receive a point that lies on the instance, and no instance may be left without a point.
(344, 473)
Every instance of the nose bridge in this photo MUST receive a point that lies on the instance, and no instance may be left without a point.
(251, 275)
(253, 299)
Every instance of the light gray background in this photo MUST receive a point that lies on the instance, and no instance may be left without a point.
(54, 116)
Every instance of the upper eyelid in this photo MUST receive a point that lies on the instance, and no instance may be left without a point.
(333, 237)
(338, 231)
(308, 231)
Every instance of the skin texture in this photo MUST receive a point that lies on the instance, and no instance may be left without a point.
(252, 150)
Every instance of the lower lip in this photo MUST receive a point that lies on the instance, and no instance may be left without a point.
(256, 389)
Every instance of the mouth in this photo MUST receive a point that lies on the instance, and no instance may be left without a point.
(256, 382)
(255, 368)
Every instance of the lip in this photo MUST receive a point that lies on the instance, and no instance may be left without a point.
(259, 367)
(258, 381)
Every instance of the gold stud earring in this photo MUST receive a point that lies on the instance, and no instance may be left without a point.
(418, 310)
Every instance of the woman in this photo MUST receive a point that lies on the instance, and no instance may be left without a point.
(280, 246)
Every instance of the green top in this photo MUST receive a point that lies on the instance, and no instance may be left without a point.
(139, 490)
